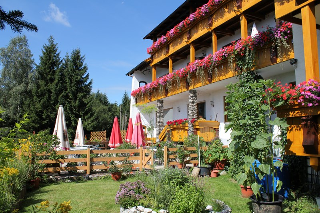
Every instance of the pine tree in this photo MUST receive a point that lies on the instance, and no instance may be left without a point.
(45, 96)
(16, 79)
(14, 19)
(125, 110)
(103, 113)
(75, 97)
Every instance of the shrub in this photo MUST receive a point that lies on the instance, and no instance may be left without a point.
(131, 193)
(187, 198)
(13, 176)
(163, 184)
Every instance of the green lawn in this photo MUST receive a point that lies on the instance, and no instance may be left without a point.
(99, 195)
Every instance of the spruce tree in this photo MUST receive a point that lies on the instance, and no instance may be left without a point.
(75, 97)
(45, 96)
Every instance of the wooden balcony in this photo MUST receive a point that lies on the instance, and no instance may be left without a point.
(283, 8)
(208, 130)
(264, 57)
(227, 11)
(303, 133)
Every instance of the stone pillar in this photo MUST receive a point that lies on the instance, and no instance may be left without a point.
(192, 111)
(159, 118)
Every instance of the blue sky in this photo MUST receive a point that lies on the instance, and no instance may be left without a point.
(109, 34)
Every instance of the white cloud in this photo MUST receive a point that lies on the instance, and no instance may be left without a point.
(54, 14)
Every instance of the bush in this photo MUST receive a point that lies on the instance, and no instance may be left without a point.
(187, 198)
(13, 177)
(163, 184)
(130, 194)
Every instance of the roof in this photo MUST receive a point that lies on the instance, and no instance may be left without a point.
(144, 64)
(182, 12)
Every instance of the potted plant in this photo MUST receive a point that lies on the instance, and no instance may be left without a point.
(250, 113)
(181, 155)
(216, 154)
(115, 171)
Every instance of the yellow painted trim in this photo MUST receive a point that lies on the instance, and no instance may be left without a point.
(244, 26)
(154, 73)
(170, 65)
(285, 7)
(192, 53)
(214, 42)
(310, 41)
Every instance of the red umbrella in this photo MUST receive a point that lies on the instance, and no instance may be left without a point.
(115, 138)
(129, 131)
(138, 135)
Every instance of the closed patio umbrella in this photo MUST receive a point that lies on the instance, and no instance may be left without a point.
(115, 137)
(60, 130)
(138, 134)
(129, 131)
(79, 138)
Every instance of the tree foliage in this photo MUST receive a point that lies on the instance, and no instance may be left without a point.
(16, 79)
(14, 19)
(103, 113)
(76, 89)
(46, 89)
(125, 110)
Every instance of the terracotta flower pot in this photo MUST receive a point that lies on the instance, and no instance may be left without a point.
(220, 164)
(214, 173)
(180, 166)
(246, 191)
(116, 176)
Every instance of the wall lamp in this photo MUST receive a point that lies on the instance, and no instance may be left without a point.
(178, 108)
(212, 103)
(293, 61)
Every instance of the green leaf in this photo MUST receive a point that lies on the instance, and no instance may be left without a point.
(265, 107)
(279, 185)
(241, 178)
(255, 188)
(265, 168)
(259, 143)
(278, 164)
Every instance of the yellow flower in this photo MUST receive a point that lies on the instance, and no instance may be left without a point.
(65, 207)
(45, 203)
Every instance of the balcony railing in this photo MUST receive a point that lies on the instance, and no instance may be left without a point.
(218, 15)
(264, 56)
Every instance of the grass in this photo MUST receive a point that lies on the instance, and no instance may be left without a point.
(99, 195)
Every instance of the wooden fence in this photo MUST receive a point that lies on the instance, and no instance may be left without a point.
(93, 160)
(170, 156)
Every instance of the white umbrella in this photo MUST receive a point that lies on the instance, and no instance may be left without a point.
(79, 138)
(60, 130)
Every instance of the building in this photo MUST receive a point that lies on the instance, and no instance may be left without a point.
(191, 62)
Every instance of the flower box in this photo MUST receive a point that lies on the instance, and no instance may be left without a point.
(303, 133)
(206, 129)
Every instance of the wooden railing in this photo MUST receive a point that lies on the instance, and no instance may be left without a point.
(208, 130)
(264, 57)
(93, 159)
(223, 13)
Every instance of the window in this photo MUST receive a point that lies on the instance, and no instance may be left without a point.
(142, 83)
(201, 108)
